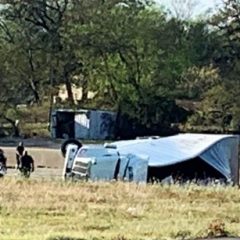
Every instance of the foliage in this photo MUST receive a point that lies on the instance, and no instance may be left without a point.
(196, 81)
(220, 106)
(136, 58)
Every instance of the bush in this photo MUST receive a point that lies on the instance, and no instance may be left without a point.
(35, 129)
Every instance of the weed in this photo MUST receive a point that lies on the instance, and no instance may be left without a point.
(65, 238)
(119, 237)
(217, 229)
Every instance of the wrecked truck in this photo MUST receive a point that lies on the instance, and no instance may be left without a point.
(182, 157)
(101, 162)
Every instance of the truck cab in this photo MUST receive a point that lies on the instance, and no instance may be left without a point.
(94, 162)
(102, 162)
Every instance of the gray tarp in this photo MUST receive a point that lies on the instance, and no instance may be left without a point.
(219, 151)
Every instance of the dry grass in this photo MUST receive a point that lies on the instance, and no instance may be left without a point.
(51, 210)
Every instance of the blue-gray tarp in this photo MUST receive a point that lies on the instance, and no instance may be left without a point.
(217, 150)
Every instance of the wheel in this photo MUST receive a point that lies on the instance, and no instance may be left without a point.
(67, 142)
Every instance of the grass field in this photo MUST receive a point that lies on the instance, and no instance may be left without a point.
(55, 210)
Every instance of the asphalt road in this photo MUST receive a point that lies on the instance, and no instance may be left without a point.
(43, 157)
(48, 162)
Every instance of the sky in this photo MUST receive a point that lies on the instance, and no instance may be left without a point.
(202, 5)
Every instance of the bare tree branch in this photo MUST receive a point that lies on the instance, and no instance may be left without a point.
(183, 9)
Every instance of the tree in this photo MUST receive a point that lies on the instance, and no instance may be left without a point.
(9, 97)
(137, 59)
(38, 28)
(123, 52)
(220, 106)
(227, 57)
(183, 9)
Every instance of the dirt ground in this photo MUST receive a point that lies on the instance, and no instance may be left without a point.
(43, 157)
(46, 154)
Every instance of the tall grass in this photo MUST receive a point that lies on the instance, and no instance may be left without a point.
(53, 210)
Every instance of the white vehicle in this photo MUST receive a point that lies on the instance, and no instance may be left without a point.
(101, 163)
(182, 157)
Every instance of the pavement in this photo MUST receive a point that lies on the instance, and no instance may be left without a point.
(43, 157)
(48, 161)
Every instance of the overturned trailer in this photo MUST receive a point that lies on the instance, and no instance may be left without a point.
(188, 156)
(181, 157)
(82, 124)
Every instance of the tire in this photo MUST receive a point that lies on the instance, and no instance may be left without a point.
(67, 142)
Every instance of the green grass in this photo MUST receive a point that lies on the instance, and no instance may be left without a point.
(55, 210)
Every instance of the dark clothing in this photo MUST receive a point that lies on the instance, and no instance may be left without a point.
(20, 150)
(26, 165)
(26, 162)
(3, 160)
(25, 172)
(3, 164)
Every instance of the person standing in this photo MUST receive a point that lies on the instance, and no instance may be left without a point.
(26, 165)
(19, 153)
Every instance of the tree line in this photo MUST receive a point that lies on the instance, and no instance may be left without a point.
(141, 61)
